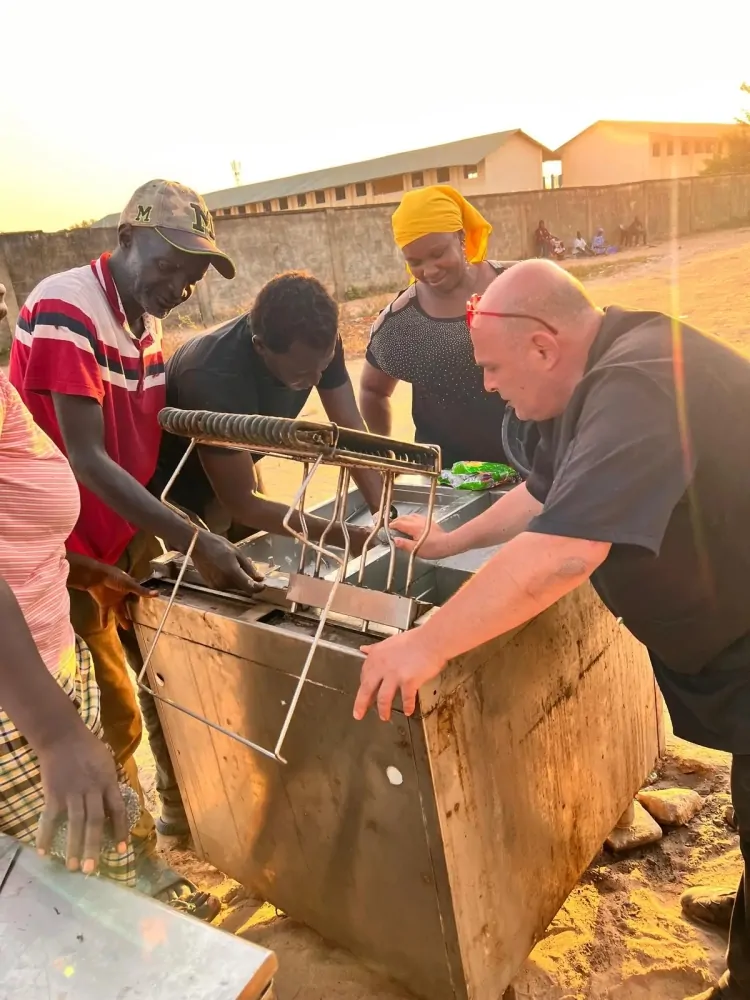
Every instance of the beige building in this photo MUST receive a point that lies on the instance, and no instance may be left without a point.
(619, 152)
(487, 164)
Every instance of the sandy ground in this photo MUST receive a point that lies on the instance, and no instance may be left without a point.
(620, 934)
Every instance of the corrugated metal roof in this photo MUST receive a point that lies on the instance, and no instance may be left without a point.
(450, 154)
(677, 129)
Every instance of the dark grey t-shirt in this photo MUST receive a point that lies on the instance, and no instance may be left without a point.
(653, 455)
(222, 371)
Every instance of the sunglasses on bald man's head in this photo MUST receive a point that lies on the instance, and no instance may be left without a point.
(472, 310)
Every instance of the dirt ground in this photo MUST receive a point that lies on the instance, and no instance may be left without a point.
(620, 934)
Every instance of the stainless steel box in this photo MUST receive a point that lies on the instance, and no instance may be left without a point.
(438, 847)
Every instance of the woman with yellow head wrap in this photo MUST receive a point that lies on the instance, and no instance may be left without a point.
(442, 210)
(422, 337)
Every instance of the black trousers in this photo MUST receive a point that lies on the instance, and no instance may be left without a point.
(738, 953)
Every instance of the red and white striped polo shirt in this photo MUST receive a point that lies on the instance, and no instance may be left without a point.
(39, 507)
(73, 338)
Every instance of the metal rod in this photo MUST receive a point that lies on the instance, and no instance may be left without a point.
(343, 526)
(377, 525)
(305, 670)
(388, 535)
(170, 602)
(300, 507)
(293, 532)
(334, 517)
(213, 725)
(321, 623)
(422, 537)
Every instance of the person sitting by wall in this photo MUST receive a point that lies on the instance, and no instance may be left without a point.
(581, 247)
(542, 237)
(631, 235)
(599, 243)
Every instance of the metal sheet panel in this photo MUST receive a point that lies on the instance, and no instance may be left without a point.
(63, 936)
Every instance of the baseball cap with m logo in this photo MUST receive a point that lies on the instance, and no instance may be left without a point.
(181, 217)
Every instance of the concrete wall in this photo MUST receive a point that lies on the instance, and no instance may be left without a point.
(351, 250)
(7, 324)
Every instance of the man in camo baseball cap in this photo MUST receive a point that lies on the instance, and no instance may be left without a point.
(181, 217)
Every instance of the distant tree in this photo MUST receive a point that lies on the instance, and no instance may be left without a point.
(737, 158)
(83, 224)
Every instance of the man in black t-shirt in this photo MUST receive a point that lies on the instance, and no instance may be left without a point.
(266, 362)
(640, 483)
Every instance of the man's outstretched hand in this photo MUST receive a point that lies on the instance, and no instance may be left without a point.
(402, 663)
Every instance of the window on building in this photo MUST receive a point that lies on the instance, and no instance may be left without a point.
(242, 210)
(699, 147)
(670, 149)
(471, 172)
(283, 204)
(340, 193)
(361, 190)
(444, 175)
(656, 149)
(266, 206)
(388, 185)
(320, 197)
(685, 147)
(417, 180)
(301, 200)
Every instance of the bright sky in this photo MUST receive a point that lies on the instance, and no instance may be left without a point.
(98, 98)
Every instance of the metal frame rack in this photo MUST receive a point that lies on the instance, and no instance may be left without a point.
(313, 444)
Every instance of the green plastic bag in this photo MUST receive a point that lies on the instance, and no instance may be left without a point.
(478, 475)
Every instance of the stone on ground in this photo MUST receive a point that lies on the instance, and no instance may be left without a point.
(671, 806)
(642, 831)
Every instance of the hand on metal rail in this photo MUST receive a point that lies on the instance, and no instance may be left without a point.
(223, 567)
(435, 544)
(403, 663)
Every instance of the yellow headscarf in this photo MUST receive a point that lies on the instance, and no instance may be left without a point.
(441, 209)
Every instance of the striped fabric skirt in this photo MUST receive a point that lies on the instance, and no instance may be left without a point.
(21, 792)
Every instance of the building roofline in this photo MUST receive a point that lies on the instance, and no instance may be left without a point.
(459, 151)
(645, 123)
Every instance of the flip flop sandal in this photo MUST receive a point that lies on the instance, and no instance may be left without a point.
(161, 882)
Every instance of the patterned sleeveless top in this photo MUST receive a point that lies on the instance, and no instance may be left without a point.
(449, 404)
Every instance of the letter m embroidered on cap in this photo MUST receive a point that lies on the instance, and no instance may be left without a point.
(144, 213)
(203, 224)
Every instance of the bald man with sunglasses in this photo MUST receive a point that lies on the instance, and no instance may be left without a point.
(640, 484)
